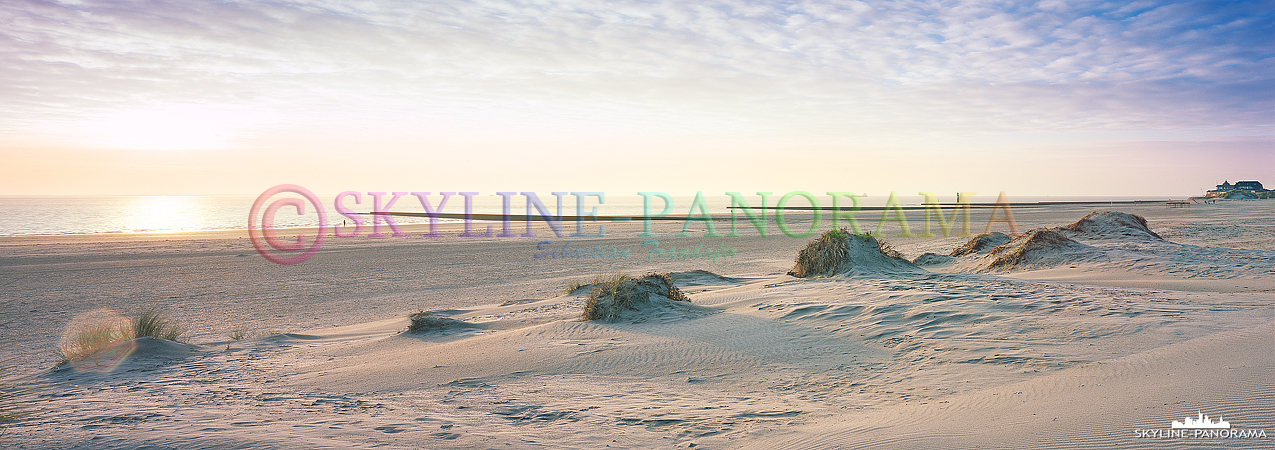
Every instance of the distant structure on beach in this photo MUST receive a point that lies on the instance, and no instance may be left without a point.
(1201, 422)
(1252, 187)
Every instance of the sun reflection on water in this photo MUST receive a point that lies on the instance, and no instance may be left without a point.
(162, 213)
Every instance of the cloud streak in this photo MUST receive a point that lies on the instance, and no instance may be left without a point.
(800, 71)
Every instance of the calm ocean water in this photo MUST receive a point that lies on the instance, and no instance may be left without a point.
(60, 215)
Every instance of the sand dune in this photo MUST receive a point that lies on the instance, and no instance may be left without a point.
(1038, 248)
(980, 244)
(1110, 225)
(837, 252)
(1113, 248)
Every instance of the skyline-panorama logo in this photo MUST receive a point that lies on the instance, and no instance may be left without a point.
(1202, 421)
(1200, 427)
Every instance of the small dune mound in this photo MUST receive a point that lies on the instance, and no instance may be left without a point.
(426, 321)
(932, 259)
(1109, 225)
(982, 243)
(1039, 247)
(838, 251)
(701, 278)
(629, 299)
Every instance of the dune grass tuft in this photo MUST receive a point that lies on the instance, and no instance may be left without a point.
(422, 321)
(888, 250)
(833, 251)
(619, 292)
(155, 324)
(94, 340)
(1020, 251)
(598, 280)
(613, 289)
(111, 340)
(823, 255)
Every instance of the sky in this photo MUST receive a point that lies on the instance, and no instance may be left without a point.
(1070, 97)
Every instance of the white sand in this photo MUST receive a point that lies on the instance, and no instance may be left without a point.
(1069, 351)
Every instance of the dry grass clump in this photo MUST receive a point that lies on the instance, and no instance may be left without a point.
(1035, 241)
(673, 292)
(598, 280)
(620, 292)
(110, 340)
(823, 255)
(837, 251)
(423, 321)
(154, 324)
(106, 341)
(888, 250)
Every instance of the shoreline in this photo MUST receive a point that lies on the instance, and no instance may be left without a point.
(720, 216)
(518, 221)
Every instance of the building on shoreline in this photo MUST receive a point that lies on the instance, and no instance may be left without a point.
(1226, 187)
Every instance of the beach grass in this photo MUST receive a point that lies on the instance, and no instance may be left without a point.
(109, 337)
(155, 324)
(93, 340)
(618, 292)
(823, 255)
(422, 321)
(612, 287)
(888, 250)
(833, 251)
(1032, 242)
(598, 280)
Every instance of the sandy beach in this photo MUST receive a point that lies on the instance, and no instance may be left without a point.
(1098, 342)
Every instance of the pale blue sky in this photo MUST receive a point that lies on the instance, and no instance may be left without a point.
(1059, 98)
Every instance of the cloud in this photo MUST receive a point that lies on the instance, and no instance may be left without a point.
(829, 70)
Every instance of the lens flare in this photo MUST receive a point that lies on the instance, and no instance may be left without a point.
(98, 341)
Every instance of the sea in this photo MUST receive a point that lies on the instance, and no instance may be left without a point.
(66, 215)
